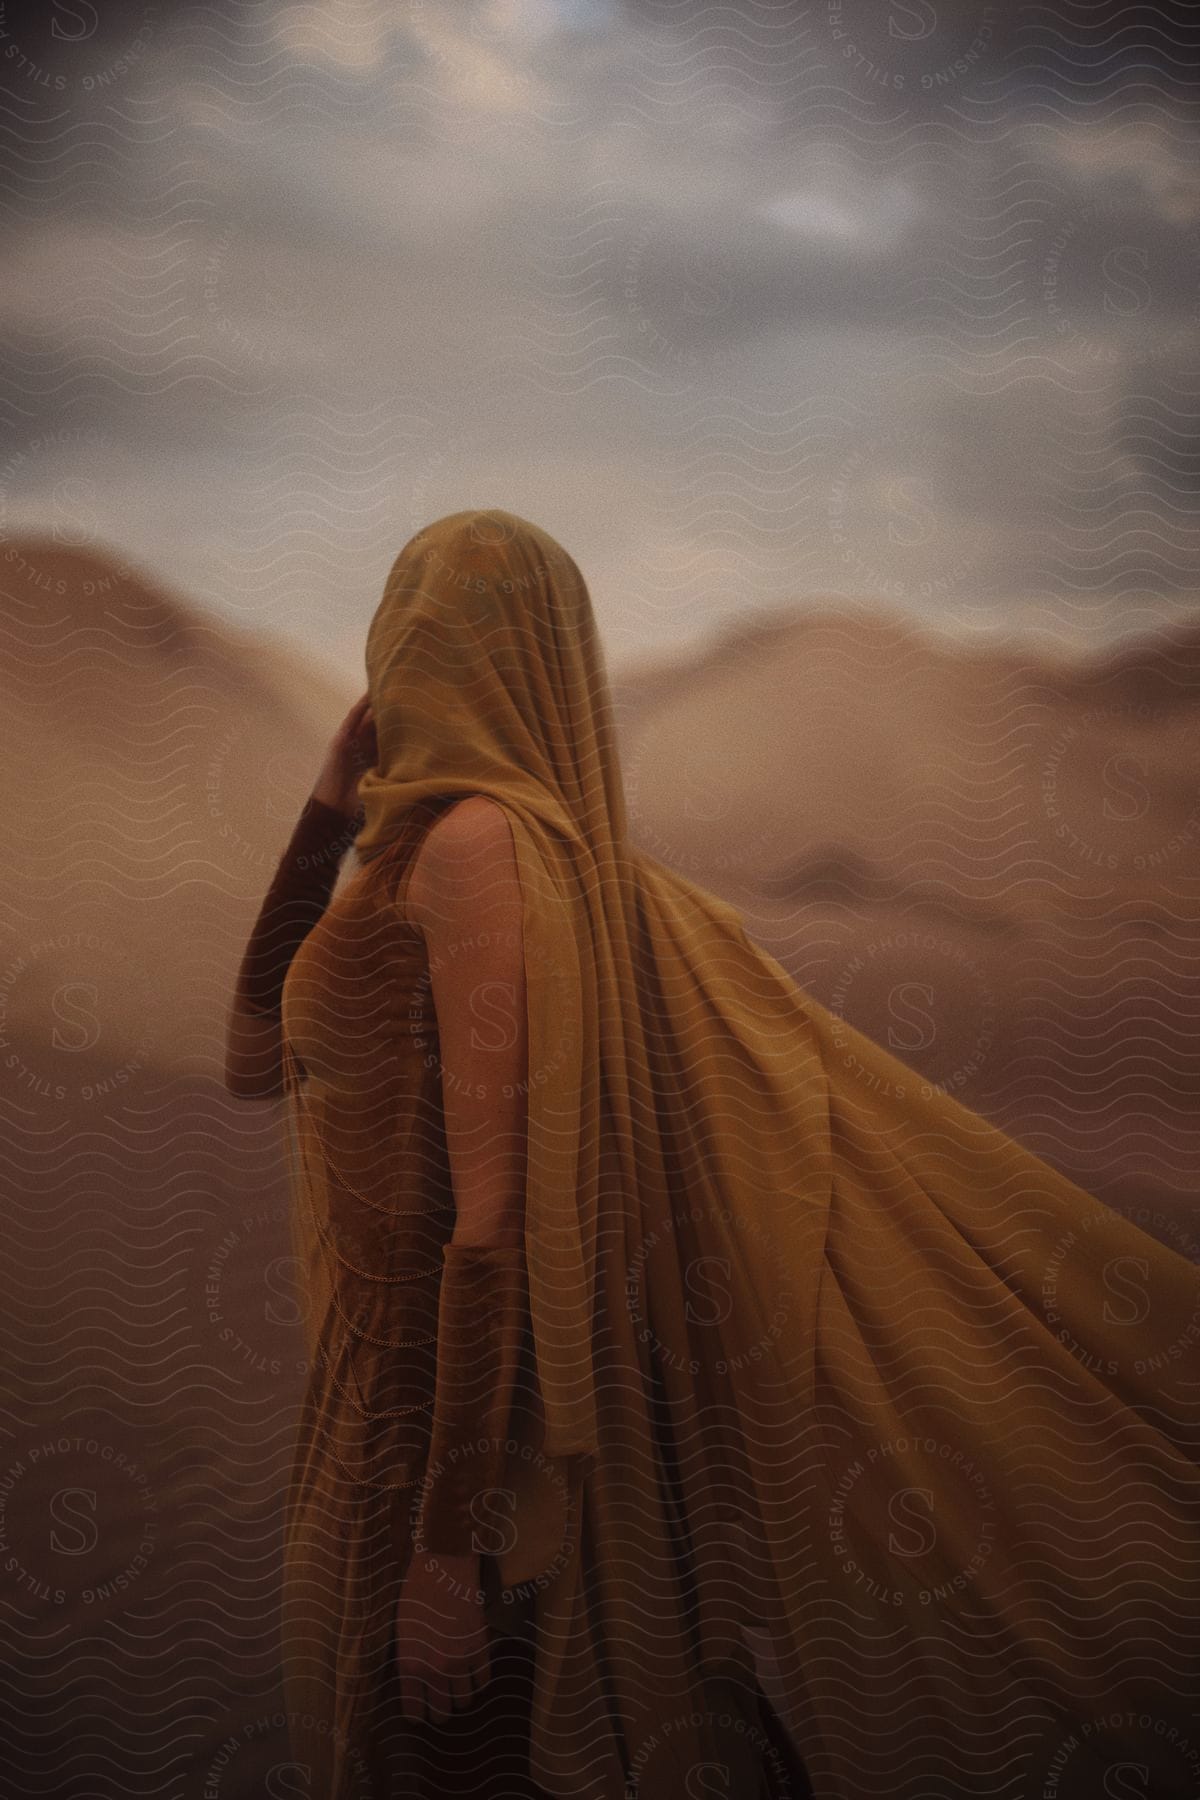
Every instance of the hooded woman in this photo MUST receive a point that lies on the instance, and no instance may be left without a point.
(671, 1341)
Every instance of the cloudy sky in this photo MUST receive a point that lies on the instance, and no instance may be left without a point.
(749, 304)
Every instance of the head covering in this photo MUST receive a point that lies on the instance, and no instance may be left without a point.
(842, 1376)
(486, 675)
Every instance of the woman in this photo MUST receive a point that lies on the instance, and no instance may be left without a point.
(671, 1340)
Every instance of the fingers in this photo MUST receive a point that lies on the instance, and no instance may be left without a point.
(437, 1691)
(473, 1671)
(481, 1669)
(440, 1685)
(412, 1697)
(462, 1689)
(354, 718)
(357, 746)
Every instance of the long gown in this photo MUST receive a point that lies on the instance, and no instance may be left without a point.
(856, 1402)
(375, 1287)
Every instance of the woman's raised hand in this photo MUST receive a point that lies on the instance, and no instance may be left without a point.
(353, 750)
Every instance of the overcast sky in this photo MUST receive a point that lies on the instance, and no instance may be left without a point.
(748, 304)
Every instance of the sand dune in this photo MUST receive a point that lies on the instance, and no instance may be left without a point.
(987, 860)
(155, 762)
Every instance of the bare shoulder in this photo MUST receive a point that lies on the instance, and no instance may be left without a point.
(467, 859)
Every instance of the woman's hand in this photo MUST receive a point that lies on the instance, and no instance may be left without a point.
(441, 1636)
(353, 750)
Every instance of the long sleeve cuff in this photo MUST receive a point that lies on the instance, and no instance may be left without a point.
(469, 1505)
(295, 901)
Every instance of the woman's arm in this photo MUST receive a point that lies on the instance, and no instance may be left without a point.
(298, 895)
(464, 895)
(296, 899)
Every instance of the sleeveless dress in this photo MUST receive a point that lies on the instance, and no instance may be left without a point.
(374, 1214)
(374, 1210)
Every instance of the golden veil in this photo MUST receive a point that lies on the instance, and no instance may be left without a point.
(838, 1381)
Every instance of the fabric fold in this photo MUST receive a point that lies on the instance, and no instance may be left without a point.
(467, 1504)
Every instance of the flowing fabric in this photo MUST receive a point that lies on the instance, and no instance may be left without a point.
(824, 1378)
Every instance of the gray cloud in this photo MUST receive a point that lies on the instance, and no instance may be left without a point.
(735, 316)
